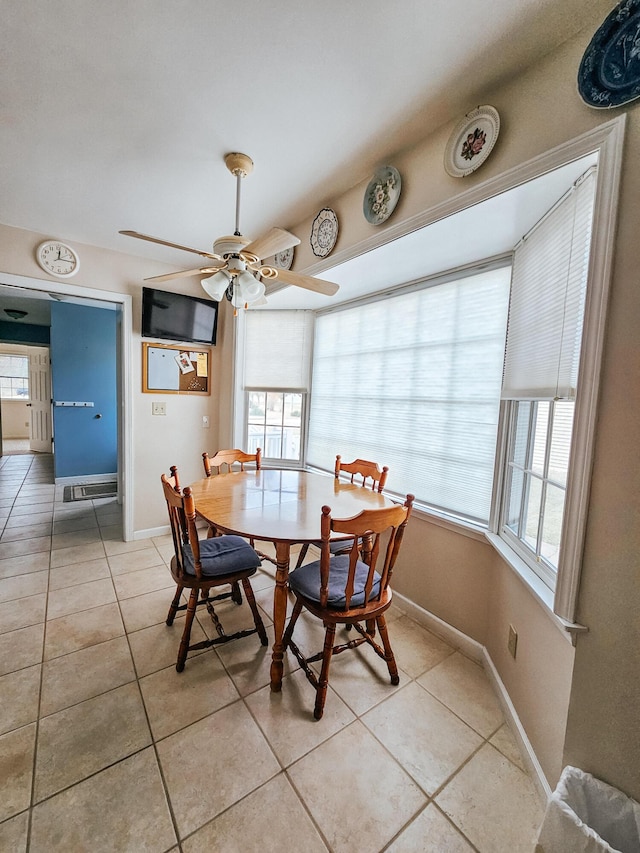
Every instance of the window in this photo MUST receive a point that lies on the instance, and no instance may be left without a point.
(276, 356)
(412, 381)
(275, 424)
(14, 377)
(540, 379)
(536, 481)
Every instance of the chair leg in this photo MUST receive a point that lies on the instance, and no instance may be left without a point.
(323, 681)
(302, 555)
(389, 656)
(174, 605)
(257, 619)
(236, 595)
(186, 634)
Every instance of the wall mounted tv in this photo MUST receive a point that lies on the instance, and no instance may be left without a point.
(177, 317)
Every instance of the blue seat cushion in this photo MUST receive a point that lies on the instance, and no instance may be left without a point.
(222, 555)
(306, 581)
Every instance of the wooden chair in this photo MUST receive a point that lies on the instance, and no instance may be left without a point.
(349, 589)
(203, 565)
(228, 458)
(225, 459)
(368, 475)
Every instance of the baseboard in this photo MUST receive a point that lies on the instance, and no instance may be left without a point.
(476, 651)
(471, 648)
(517, 729)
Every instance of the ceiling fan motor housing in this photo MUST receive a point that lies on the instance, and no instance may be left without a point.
(231, 244)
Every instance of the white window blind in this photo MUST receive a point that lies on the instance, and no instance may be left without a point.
(413, 382)
(547, 300)
(278, 349)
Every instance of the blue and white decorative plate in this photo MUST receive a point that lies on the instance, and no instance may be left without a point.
(324, 232)
(609, 74)
(381, 195)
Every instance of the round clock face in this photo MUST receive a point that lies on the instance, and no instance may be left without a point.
(324, 232)
(57, 259)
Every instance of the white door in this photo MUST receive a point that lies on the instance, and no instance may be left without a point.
(40, 406)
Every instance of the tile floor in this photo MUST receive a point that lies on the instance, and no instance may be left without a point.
(104, 747)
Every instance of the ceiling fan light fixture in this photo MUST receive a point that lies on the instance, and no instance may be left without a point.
(216, 285)
(250, 288)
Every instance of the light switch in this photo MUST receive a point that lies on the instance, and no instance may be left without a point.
(158, 408)
(205, 421)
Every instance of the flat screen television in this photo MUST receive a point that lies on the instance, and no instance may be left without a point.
(177, 317)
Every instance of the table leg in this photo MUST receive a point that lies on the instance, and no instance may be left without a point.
(279, 612)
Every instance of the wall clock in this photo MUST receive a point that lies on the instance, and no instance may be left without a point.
(609, 74)
(57, 258)
(324, 232)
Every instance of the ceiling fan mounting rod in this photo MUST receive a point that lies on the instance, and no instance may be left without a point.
(239, 165)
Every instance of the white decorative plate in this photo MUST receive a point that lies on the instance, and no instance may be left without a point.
(381, 195)
(471, 141)
(324, 232)
(284, 259)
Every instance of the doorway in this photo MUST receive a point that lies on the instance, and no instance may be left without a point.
(39, 293)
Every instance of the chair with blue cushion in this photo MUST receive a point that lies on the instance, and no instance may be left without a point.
(202, 565)
(363, 473)
(349, 589)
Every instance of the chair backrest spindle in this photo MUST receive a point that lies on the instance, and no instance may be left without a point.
(368, 471)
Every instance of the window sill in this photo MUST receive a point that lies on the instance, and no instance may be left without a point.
(534, 585)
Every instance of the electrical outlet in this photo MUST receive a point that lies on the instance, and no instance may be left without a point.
(205, 421)
(512, 642)
(158, 408)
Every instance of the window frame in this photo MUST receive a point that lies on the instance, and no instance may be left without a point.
(607, 140)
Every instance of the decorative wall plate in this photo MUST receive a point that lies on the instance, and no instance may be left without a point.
(471, 141)
(283, 260)
(324, 232)
(381, 195)
(609, 74)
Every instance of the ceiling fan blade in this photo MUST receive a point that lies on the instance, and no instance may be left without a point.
(276, 240)
(166, 243)
(318, 285)
(185, 273)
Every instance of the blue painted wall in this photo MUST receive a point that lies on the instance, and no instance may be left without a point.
(83, 357)
(24, 333)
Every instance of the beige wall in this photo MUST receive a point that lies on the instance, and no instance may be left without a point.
(15, 419)
(458, 578)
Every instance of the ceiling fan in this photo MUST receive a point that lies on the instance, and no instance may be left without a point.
(235, 268)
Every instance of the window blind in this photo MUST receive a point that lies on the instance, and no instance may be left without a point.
(547, 300)
(413, 382)
(278, 349)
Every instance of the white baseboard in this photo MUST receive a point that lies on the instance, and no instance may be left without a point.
(476, 651)
(455, 638)
(517, 730)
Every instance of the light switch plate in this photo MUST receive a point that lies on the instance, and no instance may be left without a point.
(158, 408)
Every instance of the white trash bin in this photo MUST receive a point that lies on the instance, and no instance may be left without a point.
(585, 815)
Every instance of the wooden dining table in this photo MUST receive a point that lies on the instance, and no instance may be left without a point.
(283, 507)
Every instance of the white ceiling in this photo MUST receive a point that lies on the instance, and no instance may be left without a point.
(117, 115)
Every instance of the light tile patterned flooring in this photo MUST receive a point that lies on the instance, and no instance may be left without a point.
(104, 747)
